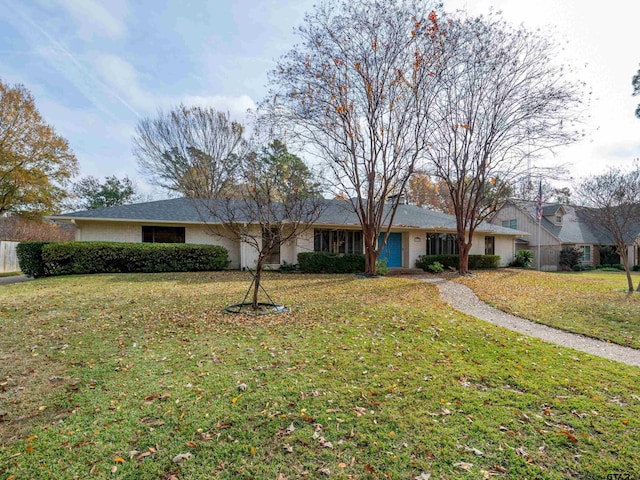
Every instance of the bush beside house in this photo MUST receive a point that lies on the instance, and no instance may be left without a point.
(30, 258)
(321, 262)
(476, 262)
(39, 259)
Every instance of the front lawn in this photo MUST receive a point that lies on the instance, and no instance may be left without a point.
(116, 376)
(590, 303)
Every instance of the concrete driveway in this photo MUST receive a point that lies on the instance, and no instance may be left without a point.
(14, 279)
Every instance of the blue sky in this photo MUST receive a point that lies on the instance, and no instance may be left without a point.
(96, 67)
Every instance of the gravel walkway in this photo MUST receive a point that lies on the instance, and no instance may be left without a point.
(463, 299)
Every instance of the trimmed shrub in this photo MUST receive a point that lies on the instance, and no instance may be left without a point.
(447, 261)
(570, 257)
(476, 262)
(586, 268)
(30, 258)
(636, 268)
(436, 267)
(287, 267)
(322, 262)
(483, 262)
(65, 258)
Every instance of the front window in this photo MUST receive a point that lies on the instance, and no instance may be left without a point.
(156, 234)
(513, 224)
(442, 244)
(271, 243)
(337, 241)
(489, 245)
(558, 219)
(586, 254)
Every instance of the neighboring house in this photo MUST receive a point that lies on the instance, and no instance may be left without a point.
(415, 231)
(561, 226)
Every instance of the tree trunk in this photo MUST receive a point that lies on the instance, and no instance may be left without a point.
(370, 251)
(627, 269)
(463, 266)
(256, 283)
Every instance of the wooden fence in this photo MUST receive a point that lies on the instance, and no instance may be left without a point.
(8, 257)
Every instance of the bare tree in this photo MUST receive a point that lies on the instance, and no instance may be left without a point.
(357, 91)
(190, 150)
(528, 189)
(613, 207)
(635, 83)
(277, 200)
(501, 101)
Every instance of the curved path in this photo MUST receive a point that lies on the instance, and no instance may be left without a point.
(463, 299)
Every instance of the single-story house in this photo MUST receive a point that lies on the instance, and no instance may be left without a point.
(561, 226)
(415, 231)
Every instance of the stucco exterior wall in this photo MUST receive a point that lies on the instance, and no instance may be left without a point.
(416, 245)
(504, 247)
(132, 233)
(244, 255)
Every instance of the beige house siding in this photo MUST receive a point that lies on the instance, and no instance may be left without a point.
(526, 224)
(132, 233)
(108, 232)
(416, 245)
(504, 247)
(244, 255)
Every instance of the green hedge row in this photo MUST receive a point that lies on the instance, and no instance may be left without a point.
(476, 262)
(321, 262)
(39, 259)
(30, 258)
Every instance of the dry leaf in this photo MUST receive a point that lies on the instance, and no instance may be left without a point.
(463, 465)
(181, 457)
(475, 451)
(423, 476)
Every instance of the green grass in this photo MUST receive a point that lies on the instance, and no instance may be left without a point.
(9, 274)
(590, 303)
(112, 376)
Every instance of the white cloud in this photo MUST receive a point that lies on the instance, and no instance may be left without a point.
(93, 17)
(123, 81)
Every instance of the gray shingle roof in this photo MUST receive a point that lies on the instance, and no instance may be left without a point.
(575, 228)
(335, 213)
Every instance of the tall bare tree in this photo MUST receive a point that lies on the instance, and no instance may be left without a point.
(277, 199)
(35, 162)
(502, 100)
(190, 150)
(613, 206)
(357, 91)
(635, 83)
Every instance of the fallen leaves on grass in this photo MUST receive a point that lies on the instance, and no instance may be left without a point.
(182, 457)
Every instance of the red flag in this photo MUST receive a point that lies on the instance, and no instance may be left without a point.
(540, 201)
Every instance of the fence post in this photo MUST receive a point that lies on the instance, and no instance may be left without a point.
(8, 257)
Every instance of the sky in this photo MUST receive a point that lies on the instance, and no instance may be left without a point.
(97, 67)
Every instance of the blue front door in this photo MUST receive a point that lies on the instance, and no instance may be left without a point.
(392, 251)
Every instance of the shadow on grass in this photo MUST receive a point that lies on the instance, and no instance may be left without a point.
(229, 276)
